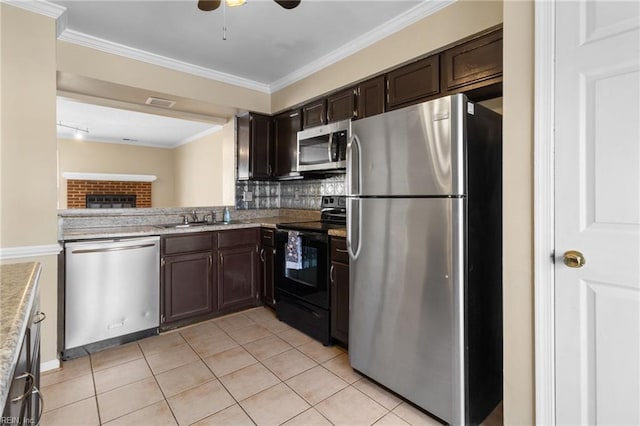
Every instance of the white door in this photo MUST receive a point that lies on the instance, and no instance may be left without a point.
(597, 168)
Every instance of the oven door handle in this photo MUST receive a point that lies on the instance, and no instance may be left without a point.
(312, 236)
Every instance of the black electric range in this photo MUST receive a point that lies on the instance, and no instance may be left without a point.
(302, 286)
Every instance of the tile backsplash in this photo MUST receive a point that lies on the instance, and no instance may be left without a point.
(293, 194)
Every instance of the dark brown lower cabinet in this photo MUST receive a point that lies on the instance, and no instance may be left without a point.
(188, 278)
(339, 277)
(188, 286)
(24, 400)
(238, 268)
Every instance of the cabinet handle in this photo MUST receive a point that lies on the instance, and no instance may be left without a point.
(162, 262)
(262, 255)
(331, 274)
(342, 251)
(274, 251)
(25, 395)
(210, 261)
(42, 317)
(41, 398)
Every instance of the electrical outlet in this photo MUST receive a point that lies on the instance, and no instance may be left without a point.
(247, 196)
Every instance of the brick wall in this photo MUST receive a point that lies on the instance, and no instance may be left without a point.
(78, 189)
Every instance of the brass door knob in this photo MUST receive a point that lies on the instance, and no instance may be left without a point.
(573, 259)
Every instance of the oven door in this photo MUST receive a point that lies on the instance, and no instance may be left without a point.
(308, 279)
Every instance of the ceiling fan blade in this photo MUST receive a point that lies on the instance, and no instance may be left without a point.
(288, 4)
(208, 5)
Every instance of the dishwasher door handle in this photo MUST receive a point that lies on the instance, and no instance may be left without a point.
(106, 249)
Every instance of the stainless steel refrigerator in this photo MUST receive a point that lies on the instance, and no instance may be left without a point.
(425, 245)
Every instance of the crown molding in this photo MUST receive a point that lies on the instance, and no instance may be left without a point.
(398, 23)
(107, 46)
(41, 7)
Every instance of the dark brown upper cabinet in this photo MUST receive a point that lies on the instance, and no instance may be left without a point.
(341, 105)
(314, 113)
(255, 133)
(475, 63)
(371, 97)
(286, 142)
(413, 83)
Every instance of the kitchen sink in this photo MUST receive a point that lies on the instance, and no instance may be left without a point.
(183, 225)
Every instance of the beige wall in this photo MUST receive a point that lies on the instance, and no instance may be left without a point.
(88, 156)
(518, 213)
(86, 62)
(453, 23)
(204, 170)
(28, 147)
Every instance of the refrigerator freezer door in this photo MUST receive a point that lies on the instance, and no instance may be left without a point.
(406, 299)
(412, 151)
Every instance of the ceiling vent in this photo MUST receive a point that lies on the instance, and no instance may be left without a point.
(158, 102)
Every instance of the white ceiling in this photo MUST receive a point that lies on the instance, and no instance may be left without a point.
(267, 48)
(265, 43)
(115, 125)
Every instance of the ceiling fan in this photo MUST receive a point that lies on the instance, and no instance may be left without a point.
(209, 5)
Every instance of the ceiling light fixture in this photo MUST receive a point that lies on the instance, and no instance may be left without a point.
(78, 130)
(234, 3)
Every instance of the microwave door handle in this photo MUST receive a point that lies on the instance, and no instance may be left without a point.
(330, 147)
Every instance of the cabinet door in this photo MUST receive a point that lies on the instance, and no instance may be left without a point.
(314, 113)
(261, 146)
(237, 277)
(473, 62)
(414, 83)
(242, 140)
(339, 276)
(371, 97)
(286, 143)
(341, 105)
(20, 386)
(187, 282)
(267, 258)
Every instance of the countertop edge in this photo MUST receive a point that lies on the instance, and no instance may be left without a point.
(10, 346)
(149, 230)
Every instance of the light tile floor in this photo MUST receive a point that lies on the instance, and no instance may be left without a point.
(242, 369)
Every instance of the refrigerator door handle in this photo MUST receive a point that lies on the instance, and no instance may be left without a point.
(354, 175)
(354, 225)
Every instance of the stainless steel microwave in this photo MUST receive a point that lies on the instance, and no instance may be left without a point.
(324, 147)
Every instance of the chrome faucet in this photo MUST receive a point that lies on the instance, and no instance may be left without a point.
(194, 216)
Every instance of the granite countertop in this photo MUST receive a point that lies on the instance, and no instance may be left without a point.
(19, 287)
(339, 232)
(145, 230)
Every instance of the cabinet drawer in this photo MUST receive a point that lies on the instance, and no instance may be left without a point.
(339, 251)
(237, 237)
(267, 236)
(202, 241)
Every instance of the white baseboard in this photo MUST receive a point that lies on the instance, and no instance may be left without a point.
(49, 365)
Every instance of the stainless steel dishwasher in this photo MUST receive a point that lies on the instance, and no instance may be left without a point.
(112, 292)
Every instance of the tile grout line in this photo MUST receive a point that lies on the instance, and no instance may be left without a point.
(95, 390)
(166, 400)
(218, 379)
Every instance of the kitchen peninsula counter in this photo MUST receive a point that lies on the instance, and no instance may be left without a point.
(146, 230)
(19, 289)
